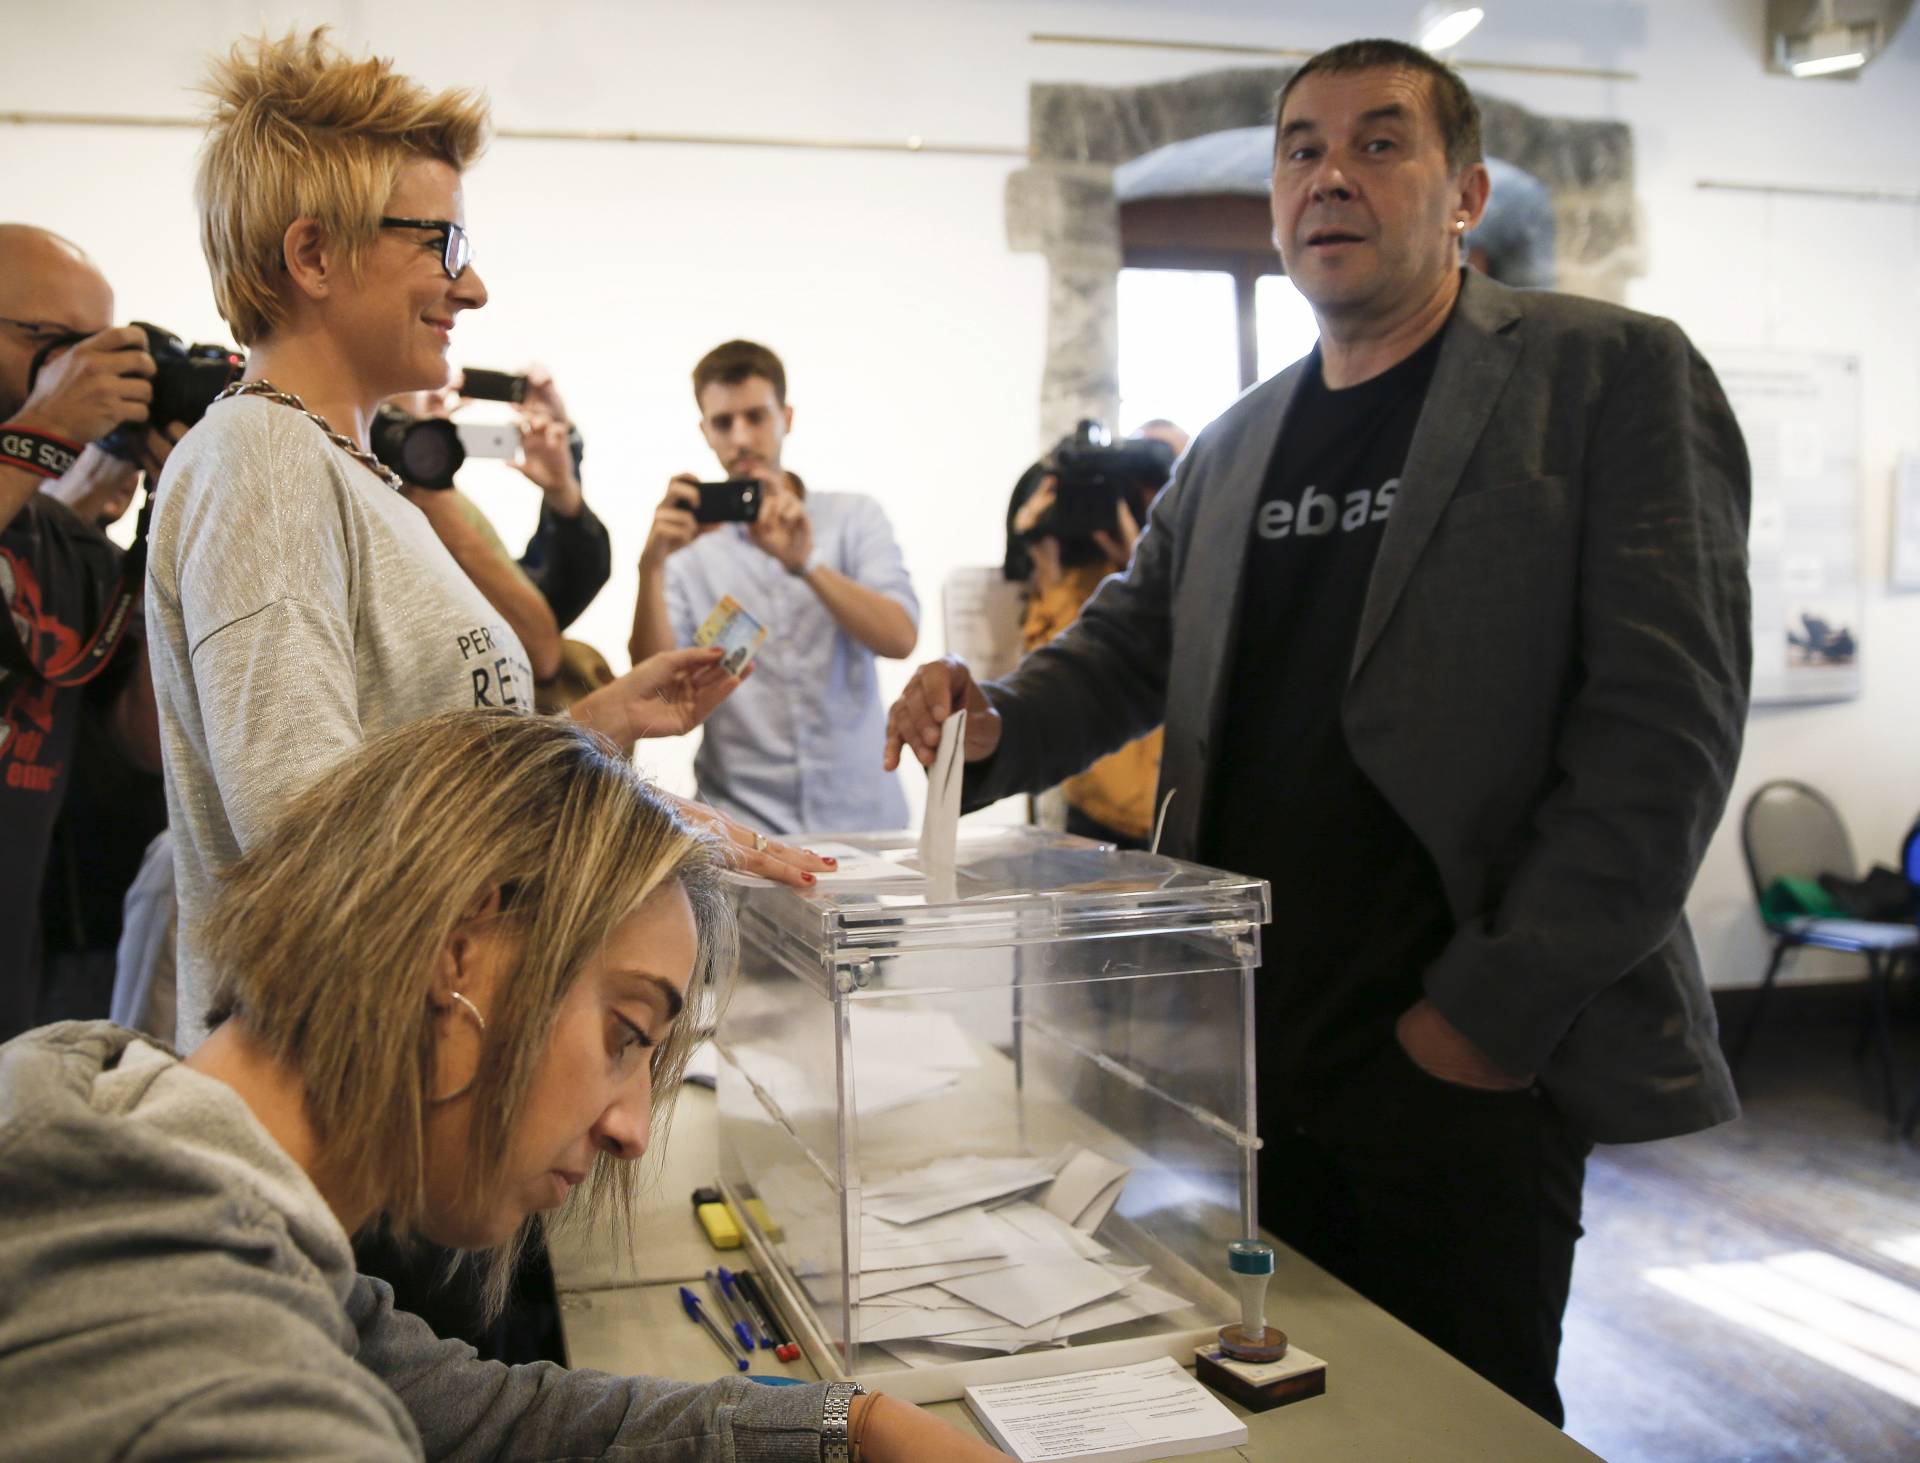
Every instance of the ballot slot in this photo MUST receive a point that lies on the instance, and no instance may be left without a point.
(1002, 1140)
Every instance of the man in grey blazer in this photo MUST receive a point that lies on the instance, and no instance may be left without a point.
(1448, 624)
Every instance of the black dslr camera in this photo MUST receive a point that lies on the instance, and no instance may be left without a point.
(186, 379)
(1092, 477)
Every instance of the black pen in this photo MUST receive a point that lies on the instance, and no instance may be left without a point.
(769, 1318)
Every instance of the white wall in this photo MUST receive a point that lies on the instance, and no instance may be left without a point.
(913, 337)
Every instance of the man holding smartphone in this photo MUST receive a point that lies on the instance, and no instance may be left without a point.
(796, 747)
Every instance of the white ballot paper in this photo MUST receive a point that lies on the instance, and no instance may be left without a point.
(1123, 1414)
(940, 828)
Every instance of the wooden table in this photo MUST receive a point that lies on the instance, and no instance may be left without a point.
(1390, 1394)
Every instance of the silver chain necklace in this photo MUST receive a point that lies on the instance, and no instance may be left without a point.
(263, 387)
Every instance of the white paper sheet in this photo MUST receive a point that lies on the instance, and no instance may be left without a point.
(952, 1183)
(940, 828)
(1135, 1303)
(912, 1323)
(1030, 1294)
(965, 1235)
(856, 866)
(1038, 1236)
(1086, 1190)
(1152, 1409)
(890, 1282)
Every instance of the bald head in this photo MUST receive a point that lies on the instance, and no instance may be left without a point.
(48, 288)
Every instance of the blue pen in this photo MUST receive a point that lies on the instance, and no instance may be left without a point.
(690, 1303)
(730, 1288)
(727, 1315)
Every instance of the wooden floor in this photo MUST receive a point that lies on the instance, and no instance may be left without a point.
(1742, 1294)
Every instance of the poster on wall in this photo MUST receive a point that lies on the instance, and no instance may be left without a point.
(1800, 412)
(1906, 522)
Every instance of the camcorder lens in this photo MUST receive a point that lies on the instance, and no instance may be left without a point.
(426, 453)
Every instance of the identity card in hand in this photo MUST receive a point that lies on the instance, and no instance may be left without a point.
(734, 631)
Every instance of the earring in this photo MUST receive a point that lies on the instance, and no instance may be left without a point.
(480, 1021)
(1459, 225)
(472, 1010)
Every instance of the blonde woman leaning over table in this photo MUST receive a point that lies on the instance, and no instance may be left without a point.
(518, 933)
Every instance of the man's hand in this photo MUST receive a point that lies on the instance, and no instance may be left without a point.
(663, 696)
(99, 487)
(673, 523)
(1438, 1048)
(937, 690)
(94, 385)
(783, 528)
(752, 852)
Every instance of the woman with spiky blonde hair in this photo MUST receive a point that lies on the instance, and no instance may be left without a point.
(299, 602)
(519, 936)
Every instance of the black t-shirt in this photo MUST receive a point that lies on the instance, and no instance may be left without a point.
(1358, 909)
(57, 577)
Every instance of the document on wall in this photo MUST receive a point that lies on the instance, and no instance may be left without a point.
(1800, 414)
(1122, 1414)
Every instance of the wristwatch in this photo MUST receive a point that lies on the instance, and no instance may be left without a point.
(836, 1444)
(806, 565)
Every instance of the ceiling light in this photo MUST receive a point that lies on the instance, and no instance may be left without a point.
(1442, 26)
(1807, 39)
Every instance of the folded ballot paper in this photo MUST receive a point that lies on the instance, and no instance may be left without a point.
(973, 1254)
(1122, 1414)
(940, 826)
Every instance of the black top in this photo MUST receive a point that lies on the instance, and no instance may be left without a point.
(57, 577)
(1358, 908)
(568, 560)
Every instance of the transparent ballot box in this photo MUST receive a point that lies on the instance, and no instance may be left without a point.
(997, 1122)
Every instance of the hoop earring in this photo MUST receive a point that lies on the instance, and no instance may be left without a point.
(478, 1020)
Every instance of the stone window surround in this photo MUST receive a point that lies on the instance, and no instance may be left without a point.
(1062, 205)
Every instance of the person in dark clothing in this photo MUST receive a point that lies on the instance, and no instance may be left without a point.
(1450, 630)
(75, 697)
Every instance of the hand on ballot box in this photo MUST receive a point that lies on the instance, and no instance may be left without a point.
(938, 689)
(751, 851)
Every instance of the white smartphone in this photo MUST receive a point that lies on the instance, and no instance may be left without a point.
(489, 439)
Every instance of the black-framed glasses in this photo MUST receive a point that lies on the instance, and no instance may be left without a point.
(456, 249)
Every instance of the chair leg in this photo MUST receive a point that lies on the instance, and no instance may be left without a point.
(1879, 979)
(1745, 1039)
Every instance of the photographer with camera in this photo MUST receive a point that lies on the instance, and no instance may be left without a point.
(1061, 551)
(823, 574)
(568, 559)
(76, 705)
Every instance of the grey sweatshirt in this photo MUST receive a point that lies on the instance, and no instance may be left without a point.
(172, 1285)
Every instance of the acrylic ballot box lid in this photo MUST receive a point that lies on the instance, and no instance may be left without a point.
(1011, 885)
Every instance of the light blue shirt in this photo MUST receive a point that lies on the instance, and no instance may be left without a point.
(797, 748)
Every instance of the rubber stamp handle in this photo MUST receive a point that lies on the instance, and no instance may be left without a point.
(1251, 1262)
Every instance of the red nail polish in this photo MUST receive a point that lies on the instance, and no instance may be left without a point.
(807, 877)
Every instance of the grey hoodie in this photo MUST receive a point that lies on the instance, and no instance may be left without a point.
(172, 1285)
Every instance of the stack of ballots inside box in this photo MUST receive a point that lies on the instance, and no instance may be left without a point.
(995, 1254)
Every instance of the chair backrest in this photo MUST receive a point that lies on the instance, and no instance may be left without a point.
(1791, 831)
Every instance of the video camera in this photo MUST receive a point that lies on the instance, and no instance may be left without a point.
(186, 379)
(428, 451)
(1092, 477)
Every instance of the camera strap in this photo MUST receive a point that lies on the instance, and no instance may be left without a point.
(97, 652)
(40, 453)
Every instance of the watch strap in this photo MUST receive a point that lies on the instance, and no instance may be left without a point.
(836, 1440)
